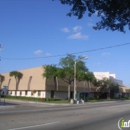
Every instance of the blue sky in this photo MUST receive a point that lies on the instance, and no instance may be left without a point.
(40, 28)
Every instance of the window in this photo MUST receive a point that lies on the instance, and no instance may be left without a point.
(20, 93)
(39, 93)
(52, 94)
(26, 92)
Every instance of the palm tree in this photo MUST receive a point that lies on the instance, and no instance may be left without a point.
(18, 76)
(50, 71)
(89, 77)
(2, 78)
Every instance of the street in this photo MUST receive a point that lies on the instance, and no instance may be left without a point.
(88, 116)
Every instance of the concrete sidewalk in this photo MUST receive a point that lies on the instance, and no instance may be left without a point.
(33, 102)
(45, 103)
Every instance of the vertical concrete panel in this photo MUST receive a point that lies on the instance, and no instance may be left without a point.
(29, 94)
(13, 93)
(48, 94)
(43, 94)
(18, 93)
(61, 95)
(23, 93)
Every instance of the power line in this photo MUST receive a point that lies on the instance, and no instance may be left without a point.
(93, 50)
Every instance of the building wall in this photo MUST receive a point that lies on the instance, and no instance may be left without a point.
(32, 80)
(120, 82)
(101, 75)
(112, 77)
(61, 95)
(46, 88)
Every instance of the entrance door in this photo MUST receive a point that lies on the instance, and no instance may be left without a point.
(52, 94)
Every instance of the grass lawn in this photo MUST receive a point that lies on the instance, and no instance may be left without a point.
(58, 102)
(44, 100)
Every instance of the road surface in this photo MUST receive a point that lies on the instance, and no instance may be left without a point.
(89, 116)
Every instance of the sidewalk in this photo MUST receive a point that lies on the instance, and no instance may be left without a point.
(47, 103)
(32, 102)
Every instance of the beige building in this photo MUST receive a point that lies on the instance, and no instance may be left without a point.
(46, 88)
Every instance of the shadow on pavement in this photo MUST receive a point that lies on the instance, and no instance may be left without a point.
(2, 103)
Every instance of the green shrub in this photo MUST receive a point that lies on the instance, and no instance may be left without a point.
(32, 98)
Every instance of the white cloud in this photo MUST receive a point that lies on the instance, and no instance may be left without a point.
(90, 24)
(77, 28)
(78, 36)
(48, 54)
(66, 30)
(98, 63)
(106, 54)
(37, 52)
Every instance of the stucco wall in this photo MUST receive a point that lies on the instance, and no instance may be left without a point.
(37, 82)
(101, 75)
(61, 95)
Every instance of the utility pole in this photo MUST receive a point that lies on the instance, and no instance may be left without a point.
(0, 60)
(75, 81)
(75, 85)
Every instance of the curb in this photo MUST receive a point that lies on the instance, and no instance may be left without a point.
(31, 102)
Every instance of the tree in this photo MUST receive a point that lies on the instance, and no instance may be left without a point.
(66, 70)
(114, 89)
(66, 73)
(114, 14)
(2, 78)
(17, 75)
(50, 71)
(87, 76)
(104, 84)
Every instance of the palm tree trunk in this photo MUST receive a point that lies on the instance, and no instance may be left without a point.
(17, 84)
(0, 85)
(69, 92)
(56, 83)
(88, 88)
(16, 89)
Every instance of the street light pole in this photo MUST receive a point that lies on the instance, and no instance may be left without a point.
(75, 85)
(75, 80)
(0, 60)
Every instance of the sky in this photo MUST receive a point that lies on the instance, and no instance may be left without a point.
(37, 32)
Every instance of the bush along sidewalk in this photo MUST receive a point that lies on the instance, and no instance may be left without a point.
(47, 100)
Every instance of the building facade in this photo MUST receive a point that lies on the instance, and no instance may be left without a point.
(33, 81)
(123, 90)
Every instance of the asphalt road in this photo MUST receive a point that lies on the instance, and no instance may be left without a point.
(89, 116)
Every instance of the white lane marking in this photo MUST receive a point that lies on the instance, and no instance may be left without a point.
(27, 127)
